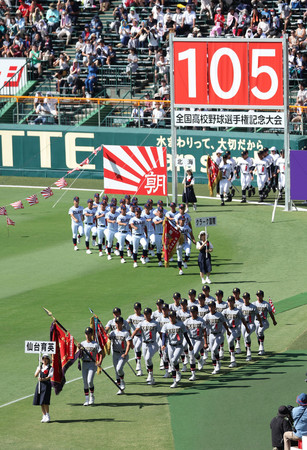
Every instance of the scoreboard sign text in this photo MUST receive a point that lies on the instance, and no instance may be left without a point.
(228, 73)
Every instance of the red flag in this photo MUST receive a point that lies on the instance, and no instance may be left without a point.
(272, 305)
(10, 221)
(66, 354)
(61, 183)
(213, 173)
(46, 193)
(3, 211)
(17, 205)
(73, 170)
(169, 239)
(32, 200)
(100, 336)
(98, 149)
(85, 162)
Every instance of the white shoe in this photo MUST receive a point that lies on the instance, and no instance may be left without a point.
(94, 243)
(184, 368)
(147, 259)
(208, 280)
(135, 264)
(205, 357)
(193, 376)
(86, 403)
(143, 261)
(76, 248)
(116, 253)
(161, 364)
(185, 266)
(120, 392)
(100, 254)
(109, 257)
(92, 400)
(122, 385)
(221, 353)
(78, 240)
(174, 385)
(88, 252)
(166, 375)
(216, 370)
(151, 382)
(139, 373)
(43, 419)
(233, 364)
(152, 253)
(160, 264)
(178, 376)
(47, 418)
(200, 364)
(180, 272)
(106, 251)
(203, 281)
(261, 352)
(248, 358)
(122, 261)
(129, 254)
(238, 350)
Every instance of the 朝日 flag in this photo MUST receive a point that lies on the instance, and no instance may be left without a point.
(85, 162)
(32, 200)
(213, 173)
(10, 221)
(61, 183)
(169, 239)
(3, 211)
(272, 305)
(46, 193)
(17, 205)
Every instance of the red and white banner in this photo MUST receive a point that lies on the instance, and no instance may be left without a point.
(228, 73)
(3, 211)
(134, 170)
(46, 193)
(17, 205)
(13, 75)
(32, 200)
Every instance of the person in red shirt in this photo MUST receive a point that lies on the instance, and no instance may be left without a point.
(35, 5)
(24, 9)
(219, 20)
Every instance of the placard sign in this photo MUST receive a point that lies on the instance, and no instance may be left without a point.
(40, 347)
(205, 221)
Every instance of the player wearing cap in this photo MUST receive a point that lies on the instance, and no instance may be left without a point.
(89, 225)
(216, 323)
(274, 156)
(123, 231)
(176, 305)
(160, 204)
(205, 248)
(271, 169)
(261, 169)
(89, 365)
(202, 311)
(264, 308)
(149, 329)
(158, 313)
(238, 304)
(134, 320)
(101, 224)
(182, 315)
(148, 215)
(183, 213)
(121, 343)
(234, 319)
(280, 172)
(250, 313)
(158, 232)
(127, 202)
(220, 305)
(184, 244)
(225, 182)
(172, 339)
(172, 213)
(198, 335)
(245, 166)
(111, 325)
(112, 227)
(192, 300)
(139, 236)
(96, 201)
(76, 214)
(162, 320)
(206, 291)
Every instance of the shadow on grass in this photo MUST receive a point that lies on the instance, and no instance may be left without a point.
(87, 420)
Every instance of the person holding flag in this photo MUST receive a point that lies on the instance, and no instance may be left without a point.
(204, 258)
(42, 395)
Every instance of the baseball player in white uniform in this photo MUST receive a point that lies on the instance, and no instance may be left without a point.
(112, 227)
(182, 315)
(162, 320)
(245, 166)
(134, 320)
(149, 329)
(202, 311)
(101, 224)
(148, 215)
(139, 236)
(215, 323)
(225, 182)
(158, 313)
(111, 325)
(89, 365)
(261, 169)
(198, 335)
(192, 298)
(250, 313)
(264, 308)
(220, 305)
(121, 343)
(206, 291)
(89, 224)
(176, 305)
(158, 232)
(234, 319)
(184, 246)
(76, 214)
(280, 172)
(238, 304)
(172, 335)
(123, 234)
(172, 213)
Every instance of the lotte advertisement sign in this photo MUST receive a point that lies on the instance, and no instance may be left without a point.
(228, 73)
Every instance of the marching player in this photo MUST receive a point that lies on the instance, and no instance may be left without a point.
(261, 169)
(188, 236)
(163, 319)
(238, 304)
(149, 329)
(204, 257)
(139, 236)
(182, 315)
(246, 167)
(123, 231)
(182, 213)
(202, 311)
(101, 224)
(158, 313)
(127, 201)
(160, 204)
(112, 228)
(250, 313)
(89, 217)
(280, 171)
(134, 320)
(220, 305)
(89, 347)
(96, 201)
(192, 298)
(148, 215)
(76, 214)
(121, 343)
(172, 213)
(172, 335)
(225, 182)
(234, 319)
(198, 335)
(176, 305)
(215, 322)
(264, 308)
(158, 232)
(111, 325)
(206, 291)
(233, 164)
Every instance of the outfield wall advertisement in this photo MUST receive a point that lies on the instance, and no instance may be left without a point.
(50, 151)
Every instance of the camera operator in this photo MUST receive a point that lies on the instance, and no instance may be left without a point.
(299, 416)
(279, 425)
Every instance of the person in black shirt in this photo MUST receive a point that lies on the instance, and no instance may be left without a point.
(279, 425)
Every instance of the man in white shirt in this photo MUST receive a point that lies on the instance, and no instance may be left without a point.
(188, 20)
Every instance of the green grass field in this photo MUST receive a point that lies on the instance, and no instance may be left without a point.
(229, 411)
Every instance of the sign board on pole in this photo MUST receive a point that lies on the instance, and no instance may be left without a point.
(13, 75)
(241, 119)
(40, 347)
(205, 221)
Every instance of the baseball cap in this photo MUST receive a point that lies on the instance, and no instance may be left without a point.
(112, 205)
(283, 410)
(206, 287)
(137, 305)
(123, 207)
(299, 21)
(172, 314)
(90, 200)
(160, 301)
(219, 292)
(228, 153)
(147, 311)
(192, 292)
(260, 292)
(183, 301)
(116, 310)
(236, 291)
(147, 205)
(159, 202)
(181, 206)
(246, 295)
(96, 195)
(160, 209)
(134, 199)
(150, 201)
(105, 197)
(173, 204)
(88, 330)
(194, 308)
(219, 151)
(165, 306)
(119, 319)
(127, 196)
(201, 295)
(273, 149)
(176, 295)
(76, 199)
(122, 200)
(231, 298)
(302, 399)
(138, 209)
(211, 303)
